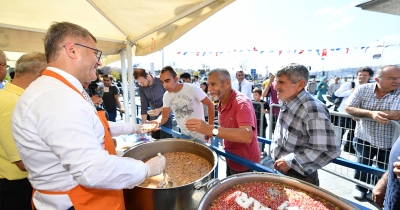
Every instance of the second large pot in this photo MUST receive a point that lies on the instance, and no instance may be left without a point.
(183, 197)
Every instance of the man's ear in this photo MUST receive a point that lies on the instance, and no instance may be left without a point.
(176, 79)
(301, 84)
(70, 49)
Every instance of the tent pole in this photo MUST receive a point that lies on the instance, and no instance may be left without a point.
(132, 85)
(122, 54)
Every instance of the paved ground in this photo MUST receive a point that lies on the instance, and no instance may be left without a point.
(328, 181)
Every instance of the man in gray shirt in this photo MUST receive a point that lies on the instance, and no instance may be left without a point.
(312, 87)
(151, 93)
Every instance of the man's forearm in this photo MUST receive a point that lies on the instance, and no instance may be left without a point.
(144, 118)
(393, 114)
(241, 135)
(357, 112)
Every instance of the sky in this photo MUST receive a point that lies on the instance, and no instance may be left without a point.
(285, 25)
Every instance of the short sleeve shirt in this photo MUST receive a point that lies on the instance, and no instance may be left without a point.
(379, 135)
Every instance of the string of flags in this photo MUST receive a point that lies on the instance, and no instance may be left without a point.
(320, 52)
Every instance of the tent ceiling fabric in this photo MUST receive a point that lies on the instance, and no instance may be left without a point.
(150, 24)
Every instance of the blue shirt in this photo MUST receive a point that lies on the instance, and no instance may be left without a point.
(392, 196)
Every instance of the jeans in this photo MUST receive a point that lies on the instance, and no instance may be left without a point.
(365, 155)
(112, 115)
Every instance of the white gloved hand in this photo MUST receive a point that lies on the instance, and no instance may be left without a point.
(138, 128)
(155, 166)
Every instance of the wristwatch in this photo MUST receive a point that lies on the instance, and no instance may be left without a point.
(215, 131)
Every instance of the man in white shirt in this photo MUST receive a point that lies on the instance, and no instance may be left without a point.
(64, 143)
(185, 101)
(364, 74)
(242, 85)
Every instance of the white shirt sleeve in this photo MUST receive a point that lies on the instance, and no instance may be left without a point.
(121, 128)
(60, 140)
(344, 90)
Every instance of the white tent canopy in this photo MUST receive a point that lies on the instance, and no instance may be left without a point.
(149, 25)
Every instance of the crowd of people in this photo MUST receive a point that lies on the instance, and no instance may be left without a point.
(56, 147)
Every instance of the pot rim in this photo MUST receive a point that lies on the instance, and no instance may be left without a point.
(281, 179)
(192, 141)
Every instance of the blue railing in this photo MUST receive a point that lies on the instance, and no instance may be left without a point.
(261, 168)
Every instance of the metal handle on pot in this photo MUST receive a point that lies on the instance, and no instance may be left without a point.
(209, 184)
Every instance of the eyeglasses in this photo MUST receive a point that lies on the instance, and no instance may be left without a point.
(4, 65)
(392, 78)
(96, 51)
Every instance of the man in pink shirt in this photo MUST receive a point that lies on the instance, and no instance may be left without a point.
(237, 121)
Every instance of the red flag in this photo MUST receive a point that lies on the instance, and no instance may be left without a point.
(324, 52)
(178, 52)
(280, 52)
(197, 53)
(216, 53)
(301, 51)
(347, 50)
(254, 48)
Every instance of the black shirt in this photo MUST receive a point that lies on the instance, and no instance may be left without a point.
(110, 104)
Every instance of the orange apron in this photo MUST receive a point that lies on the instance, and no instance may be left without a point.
(83, 198)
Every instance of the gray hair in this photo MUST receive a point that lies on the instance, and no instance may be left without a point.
(3, 56)
(30, 63)
(223, 74)
(56, 35)
(295, 72)
(379, 71)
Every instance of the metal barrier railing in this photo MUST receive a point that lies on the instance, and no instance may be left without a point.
(260, 115)
(346, 164)
(342, 166)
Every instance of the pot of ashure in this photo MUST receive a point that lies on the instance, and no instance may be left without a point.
(258, 190)
(177, 197)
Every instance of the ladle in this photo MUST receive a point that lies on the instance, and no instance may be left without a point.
(167, 183)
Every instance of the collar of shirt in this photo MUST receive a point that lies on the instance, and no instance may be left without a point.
(13, 88)
(295, 102)
(75, 82)
(393, 92)
(229, 103)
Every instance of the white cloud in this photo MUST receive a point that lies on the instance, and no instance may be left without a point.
(344, 21)
(325, 10)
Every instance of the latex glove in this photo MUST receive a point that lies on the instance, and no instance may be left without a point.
(155, 166)
(138, 129)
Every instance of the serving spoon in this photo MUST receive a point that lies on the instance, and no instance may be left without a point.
(167, 184)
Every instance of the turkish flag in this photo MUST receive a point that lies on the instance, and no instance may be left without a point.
(280, 51)
(254, 48)
(197, 53)
(324, 52)
(301, 51)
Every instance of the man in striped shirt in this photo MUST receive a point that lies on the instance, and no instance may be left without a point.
(303, 140)
(374, 138)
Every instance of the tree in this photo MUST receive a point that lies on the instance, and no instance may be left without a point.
(116, 75)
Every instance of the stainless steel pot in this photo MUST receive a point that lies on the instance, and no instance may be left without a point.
(217, 187)
(183, 197)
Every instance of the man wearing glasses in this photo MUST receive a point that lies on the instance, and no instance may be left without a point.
(63, 142)
(3, 68)
(374, 138)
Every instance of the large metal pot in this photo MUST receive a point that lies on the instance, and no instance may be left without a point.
(183, 197)
(216, 187)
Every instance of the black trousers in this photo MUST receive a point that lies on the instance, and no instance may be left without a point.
(311, 178)
(15, 194)
(230, 171)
